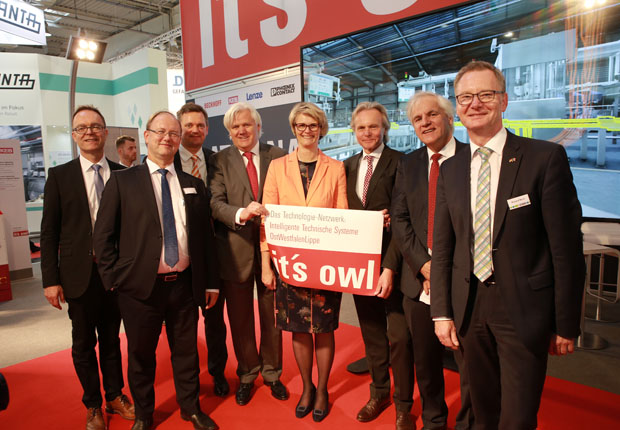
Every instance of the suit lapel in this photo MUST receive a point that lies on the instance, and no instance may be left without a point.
(264, 160)
(384, 162)
(422, 179)
(319, 173)
(511, 159)
(145, 183)
(353, 173)
(292, 171)
(76, 171)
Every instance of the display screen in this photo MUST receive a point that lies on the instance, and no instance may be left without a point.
(561, 61)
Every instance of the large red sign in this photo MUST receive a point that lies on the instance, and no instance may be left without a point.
(227, 39)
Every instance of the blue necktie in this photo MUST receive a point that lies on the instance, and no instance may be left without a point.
(171, 247)
(98, 181)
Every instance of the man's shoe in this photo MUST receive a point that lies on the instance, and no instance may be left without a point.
(404, 421)
(94, 419)
(122, 406)
(278, 390)
(372, 409)
(220, 386)
(139, 424)
(443, 427)
(244, 393)
(200, 420)
(358, 367)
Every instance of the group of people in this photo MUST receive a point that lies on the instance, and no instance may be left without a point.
(499, 220)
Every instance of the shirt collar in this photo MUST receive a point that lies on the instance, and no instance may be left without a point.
(376, 153)
(448, 150)
(254, 150)
(154, 167)
(86, 164)
(495, 144)
(186, 155)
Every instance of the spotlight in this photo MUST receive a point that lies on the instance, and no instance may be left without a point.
(85, 50)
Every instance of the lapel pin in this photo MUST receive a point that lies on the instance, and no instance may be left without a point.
(512, 160)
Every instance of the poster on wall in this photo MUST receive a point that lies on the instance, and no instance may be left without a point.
(31, 150)
(13, 207)
(273, 100)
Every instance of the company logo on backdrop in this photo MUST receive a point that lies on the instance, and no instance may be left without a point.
(254, 96)
(282, 89)
(21, 23)
(16, 81)
(232, 100)
(6, 150)
(253, 38)
(16, 15)
(212, 104)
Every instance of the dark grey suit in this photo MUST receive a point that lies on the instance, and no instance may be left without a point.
(240, 262)
(538, 272)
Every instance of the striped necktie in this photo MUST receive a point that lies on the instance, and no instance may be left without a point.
(367, 177)
(195, 171)
(482, 224)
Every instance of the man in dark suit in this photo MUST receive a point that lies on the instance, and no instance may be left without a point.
(370, 179)
(193, 158)
(127, 151)
(69, 272)
(508, 267)
(155, 246)
(238, 175)
(412, 219)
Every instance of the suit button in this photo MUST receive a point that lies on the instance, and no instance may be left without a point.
(90, 252)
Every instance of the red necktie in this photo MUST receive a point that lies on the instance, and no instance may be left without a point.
(195, 171)
(369, 159)
(252, 175)
(432, 195)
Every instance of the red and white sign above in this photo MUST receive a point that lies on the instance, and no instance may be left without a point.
(329, 249)
(229, 39)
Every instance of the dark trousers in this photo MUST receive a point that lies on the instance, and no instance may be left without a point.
(173, 303)
(240, 304)
(505, 378)
(386, 339)
(465, 416)
(428, 358)
(215, 335)
(95, 317)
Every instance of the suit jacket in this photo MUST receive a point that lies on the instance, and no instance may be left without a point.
(207, 156)
(66, 229)
(238, 245)
(283, 186)
(379, 197)
(128, 234)
(537, 249)
(410, 217)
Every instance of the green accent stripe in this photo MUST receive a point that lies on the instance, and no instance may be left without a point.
(34, 209)
(139, 78)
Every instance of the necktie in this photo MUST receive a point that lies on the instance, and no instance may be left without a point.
(367, 177)
(171, 248)
(195, 171)
(432, 195)
(482, 223)
(252, 175)
(98, 181)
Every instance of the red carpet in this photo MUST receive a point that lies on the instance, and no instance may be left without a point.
(45, 393)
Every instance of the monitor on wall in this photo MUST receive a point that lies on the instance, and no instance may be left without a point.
(561, 61)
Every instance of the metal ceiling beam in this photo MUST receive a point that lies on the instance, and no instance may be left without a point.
(372, 58)
(409, 47)
(365, 81)
(74, 12)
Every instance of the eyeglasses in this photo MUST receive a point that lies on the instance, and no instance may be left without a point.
(94, 128)
(302, 127)
(484, 97)
(161, 133)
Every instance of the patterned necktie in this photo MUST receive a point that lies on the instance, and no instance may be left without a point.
(369, 159)
(98, 181)
(252, 175)
(432, 195)
(195, 171)
(171, 247)
(482, 224)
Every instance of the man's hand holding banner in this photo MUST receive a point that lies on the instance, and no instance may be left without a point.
(329, 249)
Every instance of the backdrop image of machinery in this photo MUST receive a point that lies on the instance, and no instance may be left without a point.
(561, 60)
(31, 144)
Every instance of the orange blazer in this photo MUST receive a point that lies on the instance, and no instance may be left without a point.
(328, 187)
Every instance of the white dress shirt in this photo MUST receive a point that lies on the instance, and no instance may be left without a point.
(363, 168)
(448, 150)
(256, 160)
(188, 164)
(89, 181)
(180, 219)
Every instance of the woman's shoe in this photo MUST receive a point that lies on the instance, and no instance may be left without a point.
(319, 415)
(302, 411)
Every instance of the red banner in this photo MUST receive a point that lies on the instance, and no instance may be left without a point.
(228, 39)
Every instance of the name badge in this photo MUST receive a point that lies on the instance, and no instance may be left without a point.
(519, 202)
(190, 190)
